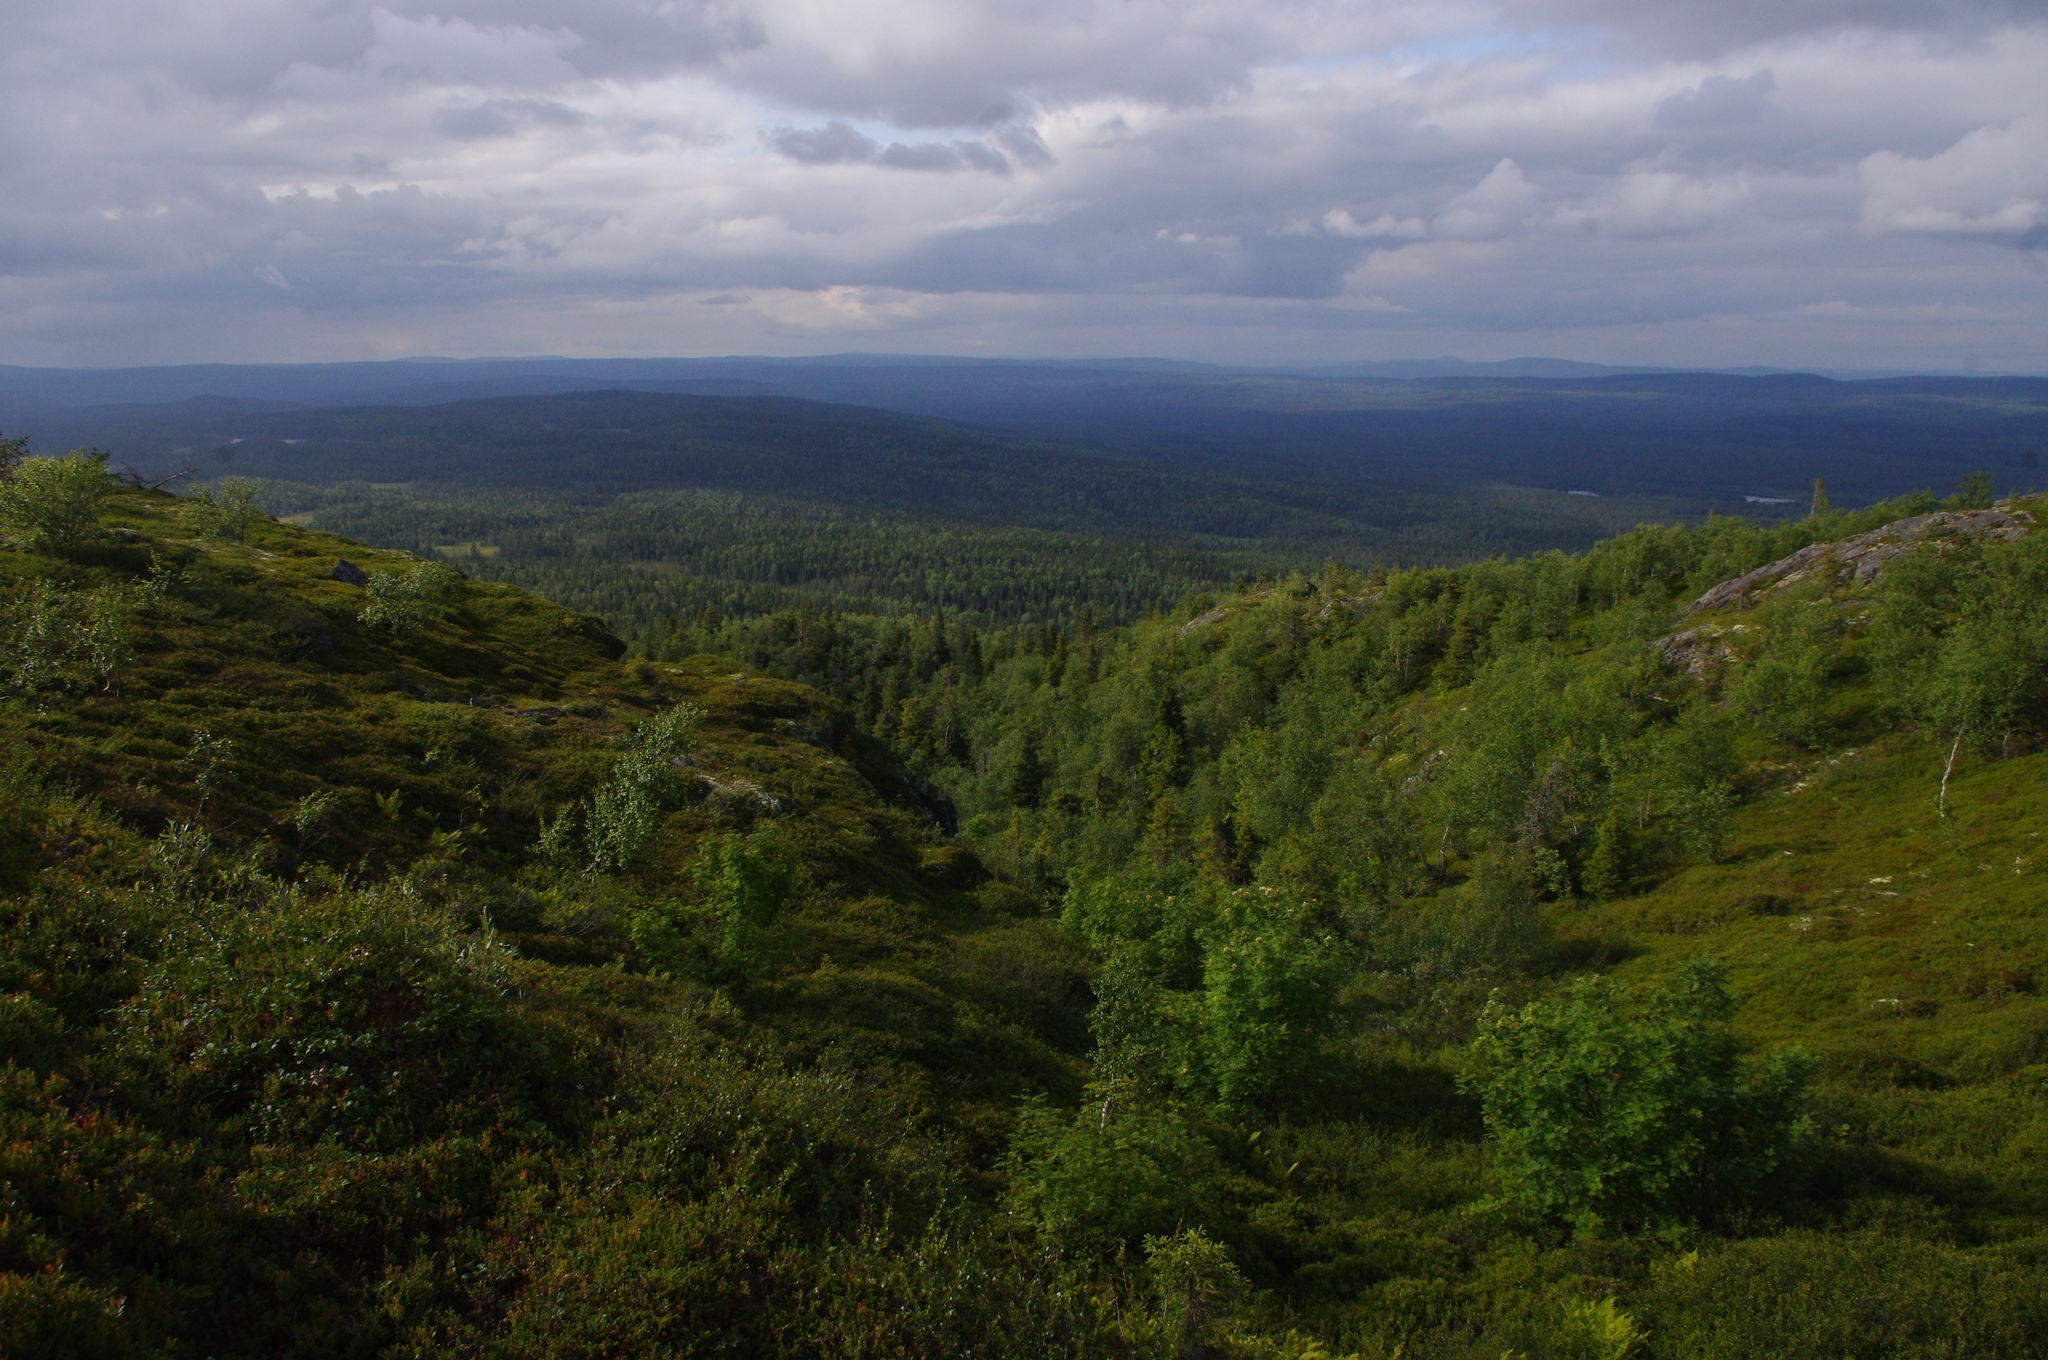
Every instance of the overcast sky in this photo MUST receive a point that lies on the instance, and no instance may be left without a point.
(1797, 182)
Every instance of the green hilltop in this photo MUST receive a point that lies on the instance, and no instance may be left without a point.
(1502, 960)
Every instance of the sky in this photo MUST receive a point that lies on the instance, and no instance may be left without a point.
(1802, 183)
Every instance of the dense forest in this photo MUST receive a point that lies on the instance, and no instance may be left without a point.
(644, 559)
(581, 449)
(1622, 953)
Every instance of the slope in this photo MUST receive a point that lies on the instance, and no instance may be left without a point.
(375, 938)
(1314, 831)
(389, 969)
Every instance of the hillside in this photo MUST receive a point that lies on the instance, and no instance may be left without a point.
(312, 1050)
(1811, 752)
(394, 967)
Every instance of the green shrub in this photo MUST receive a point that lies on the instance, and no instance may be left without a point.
(1198, 1286)
(643, 784)
(1863, 1296)
(353, 1017)
(1610, 870)
(402, 602)
(1267, 972)
(1114, 1171)
(1782, 689)
(227, 511)
(66, 641)
(46, 1316)
(51, 505)
(1610, 1115)
(1959, 642)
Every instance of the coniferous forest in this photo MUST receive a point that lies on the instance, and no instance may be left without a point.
(701, 922)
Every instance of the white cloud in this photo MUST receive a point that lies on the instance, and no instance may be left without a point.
(1339, 222)
(1493, 207)
(1658, 203)
(1993, 181)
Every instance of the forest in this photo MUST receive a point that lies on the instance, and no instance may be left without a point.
(1206, 950)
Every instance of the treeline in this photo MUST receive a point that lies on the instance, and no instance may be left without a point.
(652, 562)
(646, 560)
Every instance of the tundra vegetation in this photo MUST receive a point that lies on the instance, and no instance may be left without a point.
(1488, 961)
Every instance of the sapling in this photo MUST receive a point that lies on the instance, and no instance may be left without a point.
(51, 505)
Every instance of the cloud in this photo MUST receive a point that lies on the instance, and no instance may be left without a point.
(236, 178)
(1935, 310)
(1718, 101)
(833, 144)
(838, 144)
(1659, 203)
(504, 118)
(1992, 182)
(1712, 26)
(1340, 222)
(1492, 207)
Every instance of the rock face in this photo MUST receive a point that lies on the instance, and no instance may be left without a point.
(1864, 555)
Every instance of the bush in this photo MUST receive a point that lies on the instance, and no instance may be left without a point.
(65, 641)
(1606, 1115)
(1817, 1296)
(1958, 641)
(402, 602)
(1197, 1282)
(228, 511)
(51, 505)
(1781, 691)
(1111, 1173)
(643, 784)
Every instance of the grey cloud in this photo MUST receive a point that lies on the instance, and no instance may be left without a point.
(990, 62)
(503, 118)
(1022, 141)
(1701, 27)
(474, 123)
(1104, 158)
(838, 144)
(833, 144)
(923, 156)
(1718, 101)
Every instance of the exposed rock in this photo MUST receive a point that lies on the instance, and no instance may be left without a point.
(1863, 556)
(1201, 621)
(348, 573)
(1694, 652)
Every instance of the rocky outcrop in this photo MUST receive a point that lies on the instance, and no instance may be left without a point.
(1696, 652)
(1863, 556)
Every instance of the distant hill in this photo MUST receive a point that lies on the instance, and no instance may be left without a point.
(1430, 425)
